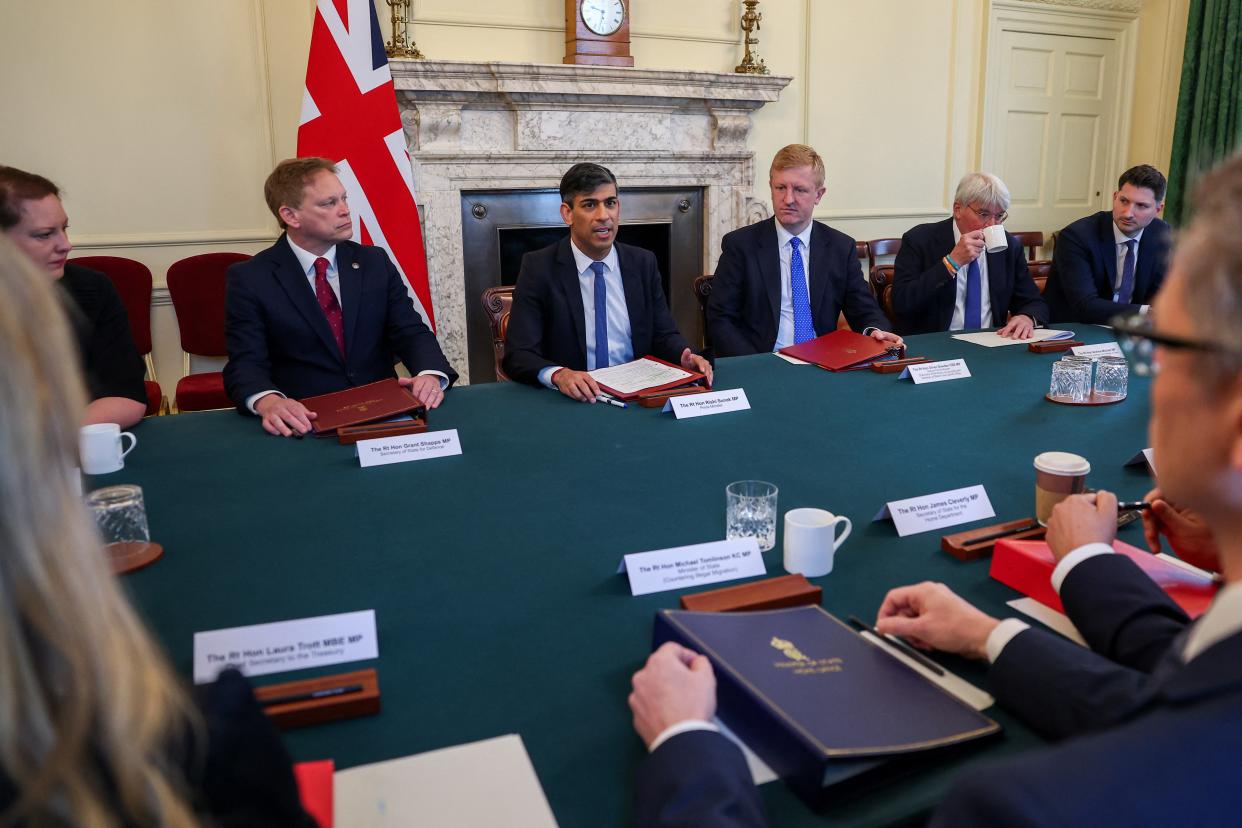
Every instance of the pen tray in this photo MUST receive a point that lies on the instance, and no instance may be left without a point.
(315, 711)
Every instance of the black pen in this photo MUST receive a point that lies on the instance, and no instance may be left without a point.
(325, 693)
(1133, 506)
(1004, 533)
(905, 648)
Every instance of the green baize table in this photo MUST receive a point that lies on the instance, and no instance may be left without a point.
(493, 574)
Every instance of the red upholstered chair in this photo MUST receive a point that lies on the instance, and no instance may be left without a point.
(132, 281)
(196, 285)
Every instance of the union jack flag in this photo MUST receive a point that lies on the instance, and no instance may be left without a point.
(349, 114)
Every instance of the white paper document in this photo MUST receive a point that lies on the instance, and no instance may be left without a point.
(935, 511)
(632, 377)
(382, 451)
(990, 339)
(791, 360)
(1046, 615)
(711, 402)
(260, 649)
(478, 785)
(679, 567)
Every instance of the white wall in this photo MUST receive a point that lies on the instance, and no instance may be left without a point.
(161, 119)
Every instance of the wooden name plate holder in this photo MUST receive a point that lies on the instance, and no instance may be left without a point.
(657, 399)
(977, 543)
(1047, 347)
(323, 699)
(894, 366)
(770, 593)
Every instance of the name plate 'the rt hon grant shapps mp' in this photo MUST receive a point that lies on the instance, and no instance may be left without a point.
(384, 450)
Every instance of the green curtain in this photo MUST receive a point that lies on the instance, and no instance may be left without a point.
(1209, 106)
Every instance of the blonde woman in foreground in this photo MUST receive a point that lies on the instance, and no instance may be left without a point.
(95, 729)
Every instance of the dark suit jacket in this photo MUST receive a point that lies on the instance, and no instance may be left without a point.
(924, 293)
(547, 323)
(110, 361)
(279, 339)
(1084, 270)
(1153, 748)
(744, 310)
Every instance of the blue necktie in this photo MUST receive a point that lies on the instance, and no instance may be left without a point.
(601, 316)
(974, 313)
(804, 328)
(1126, 291)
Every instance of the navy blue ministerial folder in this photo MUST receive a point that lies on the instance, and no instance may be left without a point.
(817, 702)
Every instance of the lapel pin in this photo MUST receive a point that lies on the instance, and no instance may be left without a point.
(355, 265)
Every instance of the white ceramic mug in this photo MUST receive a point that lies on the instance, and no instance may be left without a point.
(811, 540)
(100, 447)
(994, 240)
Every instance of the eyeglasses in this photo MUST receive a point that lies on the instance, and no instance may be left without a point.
(1138, 340)
(989, 216)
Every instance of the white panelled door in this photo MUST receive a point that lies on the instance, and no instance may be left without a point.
(1049, 125)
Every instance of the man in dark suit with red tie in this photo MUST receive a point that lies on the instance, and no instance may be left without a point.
(943, 280)
(316, 312)
(1151, 715)
(1112, 263)
(786, 279)
(588, 302)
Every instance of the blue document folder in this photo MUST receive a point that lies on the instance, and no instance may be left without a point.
(816, 701)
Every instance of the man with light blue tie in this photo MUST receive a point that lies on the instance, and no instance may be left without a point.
(569, 293)
(943, 281)
(788, 279)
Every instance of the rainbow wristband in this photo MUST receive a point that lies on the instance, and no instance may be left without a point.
(956, 267)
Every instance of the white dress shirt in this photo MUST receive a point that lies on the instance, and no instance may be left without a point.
(958, 322)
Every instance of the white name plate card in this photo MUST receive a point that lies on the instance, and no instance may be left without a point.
(687, 566)
(713, 402)
(260, 649)
(946, 369)
(384, 450)
(1096, 351)
(1142, 457)
(935, 511)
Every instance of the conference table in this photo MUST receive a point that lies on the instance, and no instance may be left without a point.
(493, 574)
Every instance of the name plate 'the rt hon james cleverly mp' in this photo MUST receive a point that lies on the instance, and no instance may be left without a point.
(260, 649)
(402, 449)
(934, 511)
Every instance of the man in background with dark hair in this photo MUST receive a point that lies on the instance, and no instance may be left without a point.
(587, 302)
(1112, 263)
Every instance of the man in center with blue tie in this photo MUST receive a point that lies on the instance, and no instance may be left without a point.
(587, 302)
(787, 279)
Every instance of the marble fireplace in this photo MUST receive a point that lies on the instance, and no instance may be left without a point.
(490, 141)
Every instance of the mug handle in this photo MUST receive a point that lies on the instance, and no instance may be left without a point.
(849, 527)
(134, 442)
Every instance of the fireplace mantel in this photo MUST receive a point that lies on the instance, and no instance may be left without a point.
(488, 126)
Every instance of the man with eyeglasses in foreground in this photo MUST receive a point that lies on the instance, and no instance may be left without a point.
(1152, 715)
(943, 280)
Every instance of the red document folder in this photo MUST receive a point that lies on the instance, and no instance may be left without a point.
(1027, 566)
(364, 404)
(838, 351)
(315, 789)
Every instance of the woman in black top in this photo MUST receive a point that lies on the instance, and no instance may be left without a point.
(32, 216)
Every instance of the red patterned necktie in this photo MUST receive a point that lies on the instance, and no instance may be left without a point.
(327, 301)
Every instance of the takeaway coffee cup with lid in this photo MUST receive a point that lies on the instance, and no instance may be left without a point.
(1058, 474)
